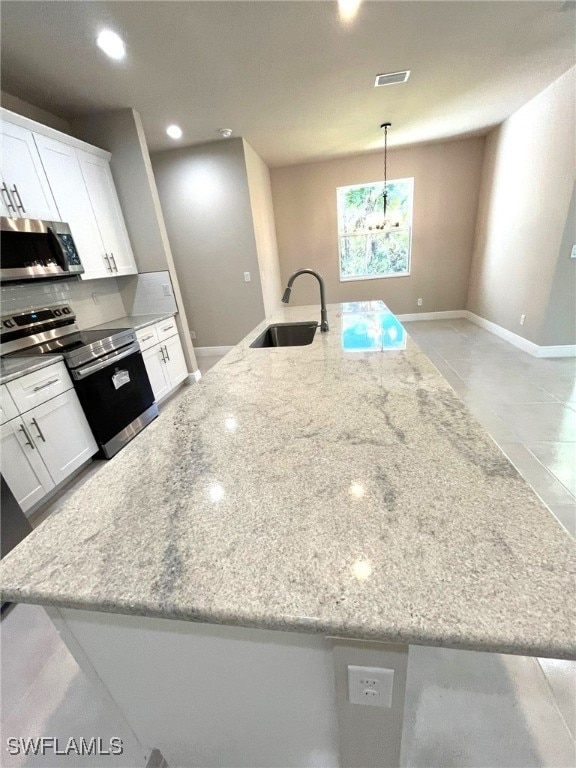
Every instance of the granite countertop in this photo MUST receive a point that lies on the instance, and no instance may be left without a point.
(339, 488)
(15, 367)
(134, 321)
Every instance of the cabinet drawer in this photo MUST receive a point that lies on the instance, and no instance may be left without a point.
(166, 328)
(8, 408)
(36, 388)
(147, 337)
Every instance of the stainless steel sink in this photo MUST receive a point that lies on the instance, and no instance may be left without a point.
(287, 335)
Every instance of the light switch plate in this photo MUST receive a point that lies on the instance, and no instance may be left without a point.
(573, 254)
(370, 686)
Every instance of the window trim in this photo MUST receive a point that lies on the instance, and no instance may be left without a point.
(408, 229)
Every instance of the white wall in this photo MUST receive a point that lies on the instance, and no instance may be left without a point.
(14, 104)
(527, 184)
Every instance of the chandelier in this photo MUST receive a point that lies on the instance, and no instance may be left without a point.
(385, 224)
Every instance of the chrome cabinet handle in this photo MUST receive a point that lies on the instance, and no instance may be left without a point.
(162, 353)
(168, 328)
(40, 435)
(6, 197)
(43, 386)
(108, 263)
(151, 336)
(16, 194)
(113, 261)
(27, 437)
(167, 355)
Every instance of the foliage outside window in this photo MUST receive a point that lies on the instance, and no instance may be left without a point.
(368, 252)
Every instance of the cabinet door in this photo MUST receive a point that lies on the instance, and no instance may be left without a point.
(61, 432)
(175, 362)
(102, 192)
(67, 183)
(21, 465)
(157, 372)
(24, 175)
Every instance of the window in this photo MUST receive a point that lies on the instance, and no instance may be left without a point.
(365, 251)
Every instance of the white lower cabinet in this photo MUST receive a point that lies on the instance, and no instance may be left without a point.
(22, 467)
(62, 435)
(157, 372)
(43, 446)
(165, 363)
(175, 362)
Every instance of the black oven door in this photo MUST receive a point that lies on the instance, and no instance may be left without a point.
(116, 396)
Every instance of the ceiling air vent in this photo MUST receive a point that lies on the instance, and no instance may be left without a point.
(391, 78)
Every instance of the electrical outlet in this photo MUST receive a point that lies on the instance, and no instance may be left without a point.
(192, 334)
(419, 302)
(371, 686)
(573, 254)
(96, 298)
(166, 289)
(247, 277)
(522, 319)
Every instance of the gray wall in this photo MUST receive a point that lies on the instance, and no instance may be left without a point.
(446, 182)
(24, 108)
(206, 202)
(527, 184)
(260, 188)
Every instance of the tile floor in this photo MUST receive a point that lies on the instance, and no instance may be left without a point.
(463, 709)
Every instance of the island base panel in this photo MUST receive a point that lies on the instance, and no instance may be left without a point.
(218, 695)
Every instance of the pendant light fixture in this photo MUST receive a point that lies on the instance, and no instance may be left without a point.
(386, 224)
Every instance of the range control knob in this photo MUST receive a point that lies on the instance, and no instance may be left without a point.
(66, 311)
(8, 323)
(57, 312)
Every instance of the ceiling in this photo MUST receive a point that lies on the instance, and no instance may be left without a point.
(289, 76)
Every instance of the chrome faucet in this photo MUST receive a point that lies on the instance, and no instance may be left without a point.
(323, 310)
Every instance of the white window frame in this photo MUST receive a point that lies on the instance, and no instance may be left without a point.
(408, 229)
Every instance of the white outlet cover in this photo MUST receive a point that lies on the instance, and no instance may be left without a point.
(247, 277)
(166, 289)
(573, 254)
(370, 686)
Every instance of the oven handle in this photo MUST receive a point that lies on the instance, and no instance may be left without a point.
(104, 362)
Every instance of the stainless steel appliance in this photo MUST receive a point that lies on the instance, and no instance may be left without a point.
(33, 249)
(106, 367)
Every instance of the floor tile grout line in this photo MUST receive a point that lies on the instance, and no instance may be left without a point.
(554, 700)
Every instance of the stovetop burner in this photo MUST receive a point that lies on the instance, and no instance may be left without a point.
(53, 330)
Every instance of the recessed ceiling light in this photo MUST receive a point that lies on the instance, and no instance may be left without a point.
(174, 131)
(225, 132)
(348, 9)
(391, 78)
(111, 43)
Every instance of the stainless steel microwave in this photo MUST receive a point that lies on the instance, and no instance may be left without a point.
(33, 249)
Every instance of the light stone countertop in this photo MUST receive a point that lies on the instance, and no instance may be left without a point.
(15, 367)
(133, 321)
(315, 489)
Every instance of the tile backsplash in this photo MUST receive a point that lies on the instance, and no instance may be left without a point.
(148, 293)
(93, 301)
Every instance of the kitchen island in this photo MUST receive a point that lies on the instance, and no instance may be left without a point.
(339, 489)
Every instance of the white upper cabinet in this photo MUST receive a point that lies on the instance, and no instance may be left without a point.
(25, 189)
(62, 167)
(45, 174)
(104, 200)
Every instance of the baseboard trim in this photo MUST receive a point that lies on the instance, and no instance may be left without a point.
(449, 314)
(559, 350)
(211, 351)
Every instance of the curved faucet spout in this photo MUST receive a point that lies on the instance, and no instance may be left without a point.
(318, 276)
